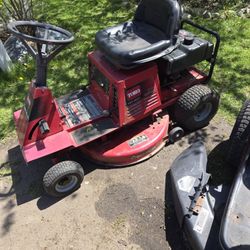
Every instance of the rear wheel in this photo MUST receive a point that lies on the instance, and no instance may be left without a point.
(240, 136)
(196, 107)
(63, 178)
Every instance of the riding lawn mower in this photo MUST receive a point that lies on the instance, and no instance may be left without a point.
(143, 92)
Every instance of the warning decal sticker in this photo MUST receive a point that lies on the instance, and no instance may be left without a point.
(201, 220)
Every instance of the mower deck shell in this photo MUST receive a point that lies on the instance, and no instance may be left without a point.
(131, 144)
(235, 229)
(198, 206)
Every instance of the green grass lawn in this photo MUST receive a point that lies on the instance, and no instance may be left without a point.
(69, 70)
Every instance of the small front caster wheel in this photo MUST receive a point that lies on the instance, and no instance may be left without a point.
(63, 178)
(175, 134)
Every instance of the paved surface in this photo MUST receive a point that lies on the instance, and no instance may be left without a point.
(119, 208)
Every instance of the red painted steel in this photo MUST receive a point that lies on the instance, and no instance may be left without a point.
(132, 98)
(131, 144)
(39, 104)
(47, 146)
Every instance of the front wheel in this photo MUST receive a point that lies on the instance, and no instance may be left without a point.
(196, 107)
(63, 178)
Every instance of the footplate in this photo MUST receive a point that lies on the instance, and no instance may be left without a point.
(93, 131)
(79, 107)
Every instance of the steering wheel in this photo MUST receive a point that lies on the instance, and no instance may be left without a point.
(42, 33)
(43, 41)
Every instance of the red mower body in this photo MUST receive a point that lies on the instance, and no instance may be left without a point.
(119, 119)
(143, 92)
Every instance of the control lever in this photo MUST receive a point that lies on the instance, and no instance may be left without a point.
(44, 127)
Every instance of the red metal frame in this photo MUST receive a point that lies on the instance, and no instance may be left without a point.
(39, 104)
(141, 99)
(131, 144)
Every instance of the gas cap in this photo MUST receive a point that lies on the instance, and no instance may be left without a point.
(188, 40)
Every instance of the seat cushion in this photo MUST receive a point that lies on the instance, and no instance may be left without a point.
(131, 42)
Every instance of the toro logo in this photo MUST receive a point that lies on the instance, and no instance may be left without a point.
(133, 93)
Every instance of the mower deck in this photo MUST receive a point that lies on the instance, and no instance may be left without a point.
(199, 206)
(130, 145)
(235, 231)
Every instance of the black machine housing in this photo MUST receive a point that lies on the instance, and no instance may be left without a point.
(190, 51)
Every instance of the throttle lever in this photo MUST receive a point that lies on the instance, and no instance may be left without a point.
(44, 127)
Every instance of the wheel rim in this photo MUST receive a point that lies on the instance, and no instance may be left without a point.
(66, 183)
(203, 112)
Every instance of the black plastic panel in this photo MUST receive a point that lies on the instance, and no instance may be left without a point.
(235, 228)
(188, 55)
(199, 207)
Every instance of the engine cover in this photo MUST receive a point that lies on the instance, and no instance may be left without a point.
(191, 51)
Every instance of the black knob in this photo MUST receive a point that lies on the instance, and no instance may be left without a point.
(188, 40)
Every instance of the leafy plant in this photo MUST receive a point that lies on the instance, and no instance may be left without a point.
(213, 4)
(16, 9)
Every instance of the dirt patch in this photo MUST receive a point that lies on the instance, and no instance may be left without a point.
(118, 203)
(5, 146)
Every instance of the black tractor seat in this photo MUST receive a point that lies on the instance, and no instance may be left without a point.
(149, 36)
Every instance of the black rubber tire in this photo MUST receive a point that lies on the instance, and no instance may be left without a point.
(191, 102)
(175, 134)
(60, 171)
(240, 136)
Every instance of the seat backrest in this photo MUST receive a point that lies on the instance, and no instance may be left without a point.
(162, 14)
